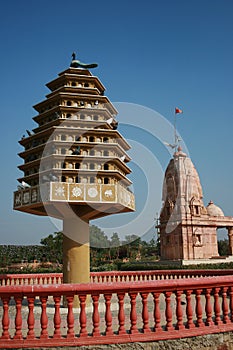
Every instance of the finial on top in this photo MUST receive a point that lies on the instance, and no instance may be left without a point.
(179, 148)
(77, 64)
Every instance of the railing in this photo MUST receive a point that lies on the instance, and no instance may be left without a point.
(116, 312)
(110, 276)
(30, 279)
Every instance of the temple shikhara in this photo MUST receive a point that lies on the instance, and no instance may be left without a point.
(188, 229)
(75, 163)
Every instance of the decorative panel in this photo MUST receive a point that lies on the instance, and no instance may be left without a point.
(76, 192)
(108, 193)
(93, 193)
(59, 191)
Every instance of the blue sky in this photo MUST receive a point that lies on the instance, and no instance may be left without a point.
(156, 53)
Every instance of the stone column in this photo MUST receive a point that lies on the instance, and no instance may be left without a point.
(76, 252)
(230, 236)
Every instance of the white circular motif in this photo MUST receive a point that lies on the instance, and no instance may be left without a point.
(92, 192)
(76, 192)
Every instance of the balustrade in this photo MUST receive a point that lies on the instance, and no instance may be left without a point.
(111, 276)
(116, 312)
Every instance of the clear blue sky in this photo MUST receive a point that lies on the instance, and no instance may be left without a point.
(155, 53)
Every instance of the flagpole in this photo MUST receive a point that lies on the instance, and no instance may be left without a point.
(177, 111)
(175, 135)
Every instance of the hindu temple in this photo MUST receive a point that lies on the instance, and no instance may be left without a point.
(188, 228)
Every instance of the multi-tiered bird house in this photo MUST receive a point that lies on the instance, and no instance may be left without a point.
(75, 161)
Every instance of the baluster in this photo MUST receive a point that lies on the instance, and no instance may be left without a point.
(208, 308)
(179, 311)
(95, 315)
(108, 314)
(231, 302)
(199, 322)
(18, 317)
(31, 320)
(217, 306)
(57, 317)
(44, 317)
(121, 313)
(145, 314)
(70, 316)
(83, 316)
(133, 313)
(225, 305)
(168, 311)
(5, 318)
(189, 310)
(157, 315)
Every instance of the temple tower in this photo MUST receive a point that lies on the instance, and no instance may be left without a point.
(75, 163)
(188, 229)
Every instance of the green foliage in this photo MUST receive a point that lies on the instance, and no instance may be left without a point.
(52, 247)
(223, 247)
(10, 254)
(105, 252)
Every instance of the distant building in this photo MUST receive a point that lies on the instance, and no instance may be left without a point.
(188, 229)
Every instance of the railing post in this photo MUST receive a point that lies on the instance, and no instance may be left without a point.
(199, 308)
(83, 316)
(5, 318)
(57, 317)
(225, 305)
(18, 317)
(157, 315)
(168, 311)
(189, 310)
(133, 313)
(208, 308)
(70, 316)
(231, 302)
(108, 314)
(217, 306)
(145, 314)
(31, 320)
(121, 313)
(179, 311)
(44, 317)
(95, 316)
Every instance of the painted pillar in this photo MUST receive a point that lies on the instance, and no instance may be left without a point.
(230, 236)
(76, 252)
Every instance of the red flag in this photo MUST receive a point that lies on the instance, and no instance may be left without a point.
(178, 111)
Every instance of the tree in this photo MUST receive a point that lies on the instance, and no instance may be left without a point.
(223, 247)
(53, 247)
(115, 246)
(98, 239)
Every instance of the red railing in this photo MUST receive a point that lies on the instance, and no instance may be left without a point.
(110, 276)
(30, 278)
(32, 315)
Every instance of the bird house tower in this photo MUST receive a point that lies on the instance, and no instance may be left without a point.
(75, 163)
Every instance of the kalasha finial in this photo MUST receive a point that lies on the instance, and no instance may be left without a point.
(77, 64)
